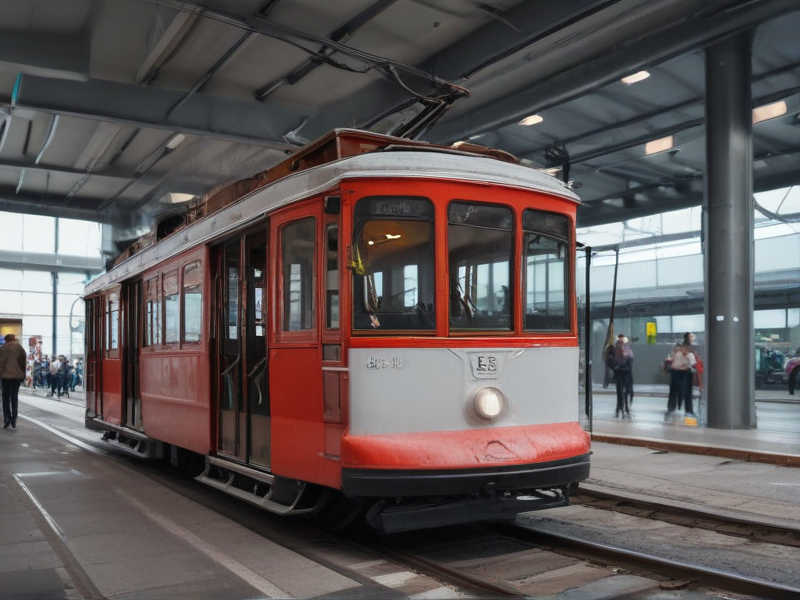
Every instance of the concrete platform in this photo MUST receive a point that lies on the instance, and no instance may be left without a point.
(776, 440)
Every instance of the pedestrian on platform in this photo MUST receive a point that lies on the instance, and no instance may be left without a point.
(620, 360)
(683, 361)
(13, 360)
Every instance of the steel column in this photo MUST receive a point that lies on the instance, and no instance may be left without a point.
(730, 340)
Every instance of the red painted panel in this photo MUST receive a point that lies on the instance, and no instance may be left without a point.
(500, 446)
(175, 398)
(295, 383)
(298, 452)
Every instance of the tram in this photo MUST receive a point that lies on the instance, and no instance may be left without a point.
(376, 327)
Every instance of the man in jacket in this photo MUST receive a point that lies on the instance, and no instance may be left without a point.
(12, 374)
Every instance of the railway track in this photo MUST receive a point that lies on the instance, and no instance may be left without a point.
(518, 559)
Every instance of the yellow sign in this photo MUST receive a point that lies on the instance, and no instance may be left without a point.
(651, 333)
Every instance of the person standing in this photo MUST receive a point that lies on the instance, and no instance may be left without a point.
(683, 361)
(12, 374)
(620, 360)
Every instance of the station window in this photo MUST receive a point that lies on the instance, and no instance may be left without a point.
(546, 251)
(172, 315)
(480, 240)
(112, 323)
(152, 325)
(298, 247)
(393, 264)
(192, 302)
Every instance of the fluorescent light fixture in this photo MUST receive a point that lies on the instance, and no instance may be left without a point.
(175, 141)
(531, 120)
(659, 145)
(640, 76)
(177, 197)
(551, 170)
(458, 143)
(389, 236)
(769, 111)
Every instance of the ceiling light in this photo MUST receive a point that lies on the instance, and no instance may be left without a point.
(459, 143)
(551, 170)
(175, 141)
(177, 197)
(769, 111)
(640, 76)
(532, 120)
(389, 236)
(659, 145)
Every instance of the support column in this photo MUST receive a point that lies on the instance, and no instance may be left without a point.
(730, 339)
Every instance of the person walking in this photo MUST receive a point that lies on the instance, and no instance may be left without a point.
(12, 373)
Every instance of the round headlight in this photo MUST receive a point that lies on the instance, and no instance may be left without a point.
(490, 403)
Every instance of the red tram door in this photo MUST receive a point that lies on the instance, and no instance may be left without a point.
(131, 346)
(91, 367)
(241, 388)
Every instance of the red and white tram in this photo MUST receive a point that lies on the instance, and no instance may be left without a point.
(374, 319)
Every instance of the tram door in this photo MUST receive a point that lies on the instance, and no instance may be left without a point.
(91, 367)
(241, 388)
(131, 399)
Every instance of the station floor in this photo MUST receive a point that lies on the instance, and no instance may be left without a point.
(75, 523)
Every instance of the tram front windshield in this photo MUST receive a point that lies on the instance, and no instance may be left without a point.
(393, 264)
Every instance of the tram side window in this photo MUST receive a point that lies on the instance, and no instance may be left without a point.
(480, 247)
(332, 275)
(112, 324)
(152, 326)
(192, 302)
(172, 315)
(393, 264)
(546, 249)
(298, 248)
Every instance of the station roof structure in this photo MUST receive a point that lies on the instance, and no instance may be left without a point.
(119, 111)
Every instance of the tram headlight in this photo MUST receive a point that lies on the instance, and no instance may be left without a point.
(490, 403)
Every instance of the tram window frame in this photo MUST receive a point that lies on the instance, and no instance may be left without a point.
(460, 299)
(398, 213)
(332, 285)
(112, 319)
(198, 317)
(170, 297)
(152, 312)
(557, 229)
(307, 280)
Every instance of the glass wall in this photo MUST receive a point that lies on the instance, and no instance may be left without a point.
(36, 295)
(660, 279)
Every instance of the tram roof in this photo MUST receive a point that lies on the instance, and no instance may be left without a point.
(398, 162)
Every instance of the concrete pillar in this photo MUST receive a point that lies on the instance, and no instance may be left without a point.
(730, 339)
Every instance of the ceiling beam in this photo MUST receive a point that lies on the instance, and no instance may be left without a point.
(638, 53)
(58, 263)
(54, 206)
(201, 115)
(162, 49)
(115, 175)
(45, 54)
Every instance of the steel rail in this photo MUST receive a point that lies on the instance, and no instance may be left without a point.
(707, 576)
(720, 516)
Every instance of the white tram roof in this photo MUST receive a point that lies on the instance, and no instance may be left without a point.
(417, 163)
